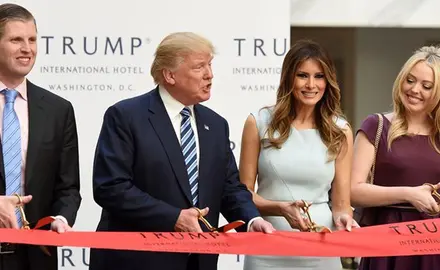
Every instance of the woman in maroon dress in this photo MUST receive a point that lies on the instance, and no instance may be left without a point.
(408, 156)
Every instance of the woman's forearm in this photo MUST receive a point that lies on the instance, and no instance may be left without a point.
(268, 207)
(367, 195)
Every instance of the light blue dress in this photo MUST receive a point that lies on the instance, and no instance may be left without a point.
(297, 171)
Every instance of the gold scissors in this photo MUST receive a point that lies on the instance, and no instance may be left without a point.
(436, 195)
(224, 228)
(25, 222)
(312, 226)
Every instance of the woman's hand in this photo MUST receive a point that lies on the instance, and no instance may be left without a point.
(421, 198)
(293, 214)
(344, 221)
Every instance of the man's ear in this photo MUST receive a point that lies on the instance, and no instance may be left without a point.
(168, 76)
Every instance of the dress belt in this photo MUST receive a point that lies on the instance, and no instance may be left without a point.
(401, 207)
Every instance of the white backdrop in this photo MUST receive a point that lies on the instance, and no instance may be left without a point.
(366, 13)
(95, 53)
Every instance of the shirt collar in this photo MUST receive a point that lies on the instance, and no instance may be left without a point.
(21, 88)
(173, 106)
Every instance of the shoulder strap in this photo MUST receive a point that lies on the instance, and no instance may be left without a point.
(376, 146)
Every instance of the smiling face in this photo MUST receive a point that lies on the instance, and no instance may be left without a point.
(309, 83)
(417, 88)
(18, 49)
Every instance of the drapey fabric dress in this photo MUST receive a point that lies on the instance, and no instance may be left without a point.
(299, 170)
(412, 161)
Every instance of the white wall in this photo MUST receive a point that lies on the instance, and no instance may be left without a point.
(365, 13)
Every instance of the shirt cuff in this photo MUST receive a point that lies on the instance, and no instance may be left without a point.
(252, 220)
(63, 219)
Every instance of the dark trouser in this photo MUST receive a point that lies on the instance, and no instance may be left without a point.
(193, 262)
(13, 257)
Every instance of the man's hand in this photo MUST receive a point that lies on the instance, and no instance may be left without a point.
(8, 219)
(260, 225)
(188, 220)
(60, 226)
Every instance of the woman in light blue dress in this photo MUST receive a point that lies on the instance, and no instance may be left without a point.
(300, 149)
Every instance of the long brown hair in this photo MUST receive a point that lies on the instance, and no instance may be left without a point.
(327, 109)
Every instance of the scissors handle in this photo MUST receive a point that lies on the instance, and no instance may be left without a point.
(204, 221)
(24, 220)
(312, 226)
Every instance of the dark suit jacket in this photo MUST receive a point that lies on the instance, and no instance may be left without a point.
(140, 180)
(52, 166)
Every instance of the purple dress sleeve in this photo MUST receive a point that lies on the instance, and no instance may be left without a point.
(369, 127)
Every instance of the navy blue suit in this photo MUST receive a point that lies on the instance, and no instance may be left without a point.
(140, 180)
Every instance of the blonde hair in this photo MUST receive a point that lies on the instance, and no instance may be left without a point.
(327, 110)
(430, 55)
(173, 49)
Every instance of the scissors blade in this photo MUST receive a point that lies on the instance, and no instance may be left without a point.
(323, 229)
(231, 226)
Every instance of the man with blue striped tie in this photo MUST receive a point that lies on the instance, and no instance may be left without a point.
(163, 161)
(39, 163)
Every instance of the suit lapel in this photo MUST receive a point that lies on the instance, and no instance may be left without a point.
(205, 154)
(161, 123)
(2, 171)
(37, 118)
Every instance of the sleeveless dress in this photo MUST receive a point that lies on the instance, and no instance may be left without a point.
(412, 161)
(298, 170)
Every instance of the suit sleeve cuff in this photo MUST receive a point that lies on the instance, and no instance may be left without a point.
(251, 221)
(63, 219)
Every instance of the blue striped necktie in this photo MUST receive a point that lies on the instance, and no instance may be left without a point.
(189, 150)
(11, 143)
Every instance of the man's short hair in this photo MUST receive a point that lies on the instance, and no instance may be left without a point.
(173, 49)
(13, 12)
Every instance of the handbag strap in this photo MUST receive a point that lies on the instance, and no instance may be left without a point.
(376, 146)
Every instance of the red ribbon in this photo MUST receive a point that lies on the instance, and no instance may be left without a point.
(399, 239)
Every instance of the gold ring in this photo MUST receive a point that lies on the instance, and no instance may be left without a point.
(431, 185)
(199, 211)
(20, 200)
(306, 205)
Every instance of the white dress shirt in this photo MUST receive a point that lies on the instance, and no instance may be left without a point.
(173, 108)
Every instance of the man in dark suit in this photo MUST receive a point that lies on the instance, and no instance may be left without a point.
(39, 146)
(161, 154)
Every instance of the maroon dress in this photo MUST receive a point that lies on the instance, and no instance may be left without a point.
(412, 161)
